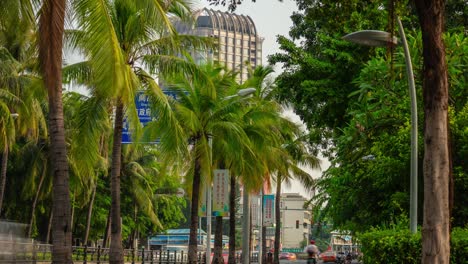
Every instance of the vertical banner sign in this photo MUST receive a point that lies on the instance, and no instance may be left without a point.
(202, 202)
(254, 208)
(268, 206)
(221, 193)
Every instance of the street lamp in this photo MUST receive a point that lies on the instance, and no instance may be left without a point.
(381, 38)
(240, 93)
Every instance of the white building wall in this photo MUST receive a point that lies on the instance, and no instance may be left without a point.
(292, 210)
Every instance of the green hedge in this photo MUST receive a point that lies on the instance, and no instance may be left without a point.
(400, 246)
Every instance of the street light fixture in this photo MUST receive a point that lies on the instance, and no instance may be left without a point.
(240, 93)
(382, 38)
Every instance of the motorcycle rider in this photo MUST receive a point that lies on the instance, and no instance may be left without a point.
(312, 251)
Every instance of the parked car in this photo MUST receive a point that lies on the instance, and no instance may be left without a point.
(287, 256)
(328, 256)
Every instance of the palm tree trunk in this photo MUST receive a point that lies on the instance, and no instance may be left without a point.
(51, 27)
(218, 244)
(3, 175)
(245, 226)
(232, 221)
(264, 247)
(33, 207)
(192, 255)
(105, 239)
(116, 249)
(72, 215)
(49, 226)
(263, 238)
(89, 215)
(436, 168)
(278, 221)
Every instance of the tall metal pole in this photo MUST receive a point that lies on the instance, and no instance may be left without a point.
(246, 227)
(414, 135)
(382, 38)
(208, 209)
(260, 229)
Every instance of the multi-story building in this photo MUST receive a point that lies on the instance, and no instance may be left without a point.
(239, 42)
(295, 220)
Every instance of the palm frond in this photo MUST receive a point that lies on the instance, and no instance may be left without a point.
(110, 72)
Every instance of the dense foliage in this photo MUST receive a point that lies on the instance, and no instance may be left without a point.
(398, 245)
(355, 103)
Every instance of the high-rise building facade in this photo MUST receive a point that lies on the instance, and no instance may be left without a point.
(239, 42)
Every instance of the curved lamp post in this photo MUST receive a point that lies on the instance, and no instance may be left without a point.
(382, 38)
(240, 93)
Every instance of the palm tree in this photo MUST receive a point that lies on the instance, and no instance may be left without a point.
(7, 135)
(128, 35)
(295, 156)
(249, 158)
(239, 155)
(281, 148)
(203, 114)
(18, 79)
(51, 28)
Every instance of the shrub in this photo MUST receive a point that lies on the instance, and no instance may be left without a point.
(400, 246)
(459, 245)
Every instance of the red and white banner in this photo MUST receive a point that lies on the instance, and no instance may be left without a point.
(269, 210)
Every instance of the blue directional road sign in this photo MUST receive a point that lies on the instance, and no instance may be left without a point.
(143, 107)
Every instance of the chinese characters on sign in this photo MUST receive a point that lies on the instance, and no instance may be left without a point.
(268, 205)
(221, 193)
(143, 109)
(255, 209)
(202, 202)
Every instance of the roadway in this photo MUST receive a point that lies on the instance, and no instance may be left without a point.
(303, 261)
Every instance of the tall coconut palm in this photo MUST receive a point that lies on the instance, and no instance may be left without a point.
(202, 115)
(246, 161)
(257, 118)
(239, 155)
(284, 150)
(18, 74)
(51, 28)
(122, 39)
(7, 135)
(87, 125)
(295, 156)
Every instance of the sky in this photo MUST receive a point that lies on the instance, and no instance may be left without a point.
(272, 18)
